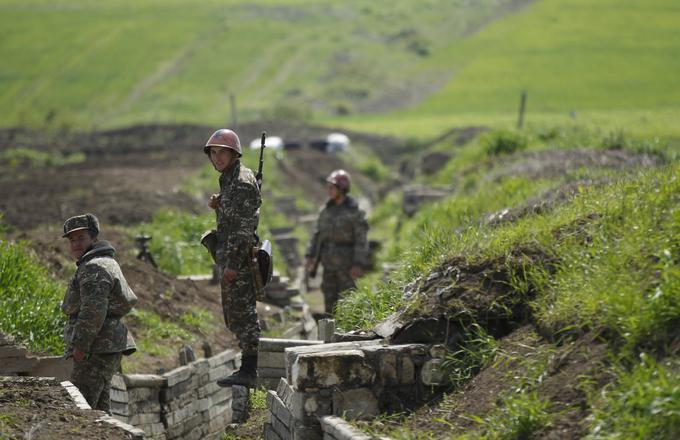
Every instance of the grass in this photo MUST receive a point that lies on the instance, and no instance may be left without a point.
(30, 300)
(643, 403)
(87, 65)
(153, 328)
(572, 61)
(15, 157)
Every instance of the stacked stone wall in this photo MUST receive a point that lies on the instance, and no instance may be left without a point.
(350, 380)
(185, 403)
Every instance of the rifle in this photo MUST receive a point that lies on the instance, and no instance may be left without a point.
(258, 176)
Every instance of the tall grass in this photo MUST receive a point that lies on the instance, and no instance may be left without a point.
(30, 300)
(643, 403)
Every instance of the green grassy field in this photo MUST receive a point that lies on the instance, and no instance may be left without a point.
(87, 64)
(613, 63)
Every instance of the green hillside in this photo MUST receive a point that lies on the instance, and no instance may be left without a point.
(614, 63)
(91, 64)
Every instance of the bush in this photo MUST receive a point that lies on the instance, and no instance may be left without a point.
(504, 142)
(30, 300)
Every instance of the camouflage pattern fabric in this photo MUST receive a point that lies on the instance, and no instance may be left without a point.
(341, 237)
(333, 284)
(97, 297)
(237, 218)
(93, 378)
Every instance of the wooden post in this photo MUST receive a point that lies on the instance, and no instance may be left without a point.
(232, 99)
(522, 108)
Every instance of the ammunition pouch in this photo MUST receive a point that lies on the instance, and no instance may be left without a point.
(209, 240)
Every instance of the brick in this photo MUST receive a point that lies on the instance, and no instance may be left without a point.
(269, 433)
(278, 408)
(9, 351)
(137, 394)
(180, 415)
(153, 429)
(119, 395)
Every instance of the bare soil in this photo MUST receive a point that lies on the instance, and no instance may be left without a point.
(42, 409)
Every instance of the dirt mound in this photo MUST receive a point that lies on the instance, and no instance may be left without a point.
(461, 292)
(39, 408)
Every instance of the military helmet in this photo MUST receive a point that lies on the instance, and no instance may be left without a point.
(223, 138)
(83, 221)
(341, 179)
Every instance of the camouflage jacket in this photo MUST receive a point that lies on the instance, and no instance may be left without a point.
(237, 213)
(340, 236)
(96, 299)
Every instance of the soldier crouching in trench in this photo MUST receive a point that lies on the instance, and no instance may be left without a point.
(339, 242)
(97, 298)
(237, 210)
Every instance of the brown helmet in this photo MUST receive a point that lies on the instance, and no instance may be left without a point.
(341, 179)
(223, 138)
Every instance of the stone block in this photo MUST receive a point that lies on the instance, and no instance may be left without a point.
(219, 373)
(281, 429)
(177, 430)
(153, 429)
(271, 372)
(279, 345)
(337, 428)
(9, 351)
(268, 383)
(305, 407)
(118, 382)
(138, 394)
(227, 357)
(278, 408)
(53, 366)
(181, 414)
(407, 371)
(292, 353)
(220, 421)
(341, 368)
(17, 364)
(144, 418)
(119, 396)
(178, 375)
(358, 403)
(271, 359)
(144, 380)
(269, 433)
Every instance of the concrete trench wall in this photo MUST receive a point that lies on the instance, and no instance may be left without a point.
(328, 383)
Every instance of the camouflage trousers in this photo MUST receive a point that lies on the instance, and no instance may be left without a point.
(240, 311)
(93, 378)
(333, 283)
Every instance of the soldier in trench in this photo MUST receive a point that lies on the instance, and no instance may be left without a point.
(339, 241)
(97, 298)
(237, 210)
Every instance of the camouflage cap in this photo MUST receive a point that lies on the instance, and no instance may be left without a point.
(83, 221)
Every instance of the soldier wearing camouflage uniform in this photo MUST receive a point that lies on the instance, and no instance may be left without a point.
(97, 298)
(339, 242)
(237, 209)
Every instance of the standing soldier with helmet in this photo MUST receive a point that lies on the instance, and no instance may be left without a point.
(96, 300)
(237, 209)
(339, 242)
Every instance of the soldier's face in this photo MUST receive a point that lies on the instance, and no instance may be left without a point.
(79, 242)
(334, 192)
(221, 157)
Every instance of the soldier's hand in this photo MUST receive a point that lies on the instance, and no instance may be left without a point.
(228, 275)
(78, 355)
(355, 272)
(214, 201)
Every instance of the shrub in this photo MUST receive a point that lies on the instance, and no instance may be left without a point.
(504, 142)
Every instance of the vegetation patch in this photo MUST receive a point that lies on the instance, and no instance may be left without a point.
(30, 300)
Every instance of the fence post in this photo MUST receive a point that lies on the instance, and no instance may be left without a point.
(522, 108)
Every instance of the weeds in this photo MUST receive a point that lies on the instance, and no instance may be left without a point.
(478, 350)
(15, 157)
(518, 416)
(644, 403)
(30, 300)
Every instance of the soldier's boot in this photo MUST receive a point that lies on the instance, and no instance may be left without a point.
(246, 375)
